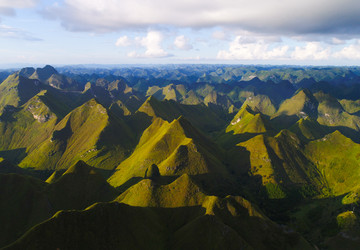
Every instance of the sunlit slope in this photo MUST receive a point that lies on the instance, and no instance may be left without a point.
(176, 148)
(84, 134)
(303, 104)
(309, 129)
(337, 158)
(199, 115)
(16, 90)
(332, 114)
(148, 193)
(248, 120)
(280, 161)
(262, 103)
(23, 129)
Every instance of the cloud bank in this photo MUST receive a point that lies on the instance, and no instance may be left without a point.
(263, 16)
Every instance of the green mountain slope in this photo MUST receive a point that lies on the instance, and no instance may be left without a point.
(332, 114)
(25, 128)
(261, 103)
(176, 148)
(303, 104)
(217, 99)
(309, 129)
(49, 75)
(350, 106)
(191, 98)
(199, 115)
(338, 164)
(248, 121)
(182, 192)
(17, 90)
(84, 134)
(281, 162)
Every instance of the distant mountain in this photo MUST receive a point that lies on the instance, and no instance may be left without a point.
(49, 75)
(199, 115)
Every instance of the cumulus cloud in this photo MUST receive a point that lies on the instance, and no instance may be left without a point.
(351, 52)
(290, 16)
(123, 41)
(311, 51)
(247, 48)
(152, 44)
(11, 32)
(181, 42)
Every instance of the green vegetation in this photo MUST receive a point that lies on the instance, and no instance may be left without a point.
(339, 167)
(175, 147)
(161, 157)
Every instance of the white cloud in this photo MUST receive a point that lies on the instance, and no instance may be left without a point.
(182, 43)
(219, 35)
(7, 7)
(11, 32)
(248, 48)
(152, 44)
(123, 41)
(337, 41)
(311, 51)
(17, 3)
(351, 52)
(264, 16)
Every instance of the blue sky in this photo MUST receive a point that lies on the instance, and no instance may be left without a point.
(37, 32)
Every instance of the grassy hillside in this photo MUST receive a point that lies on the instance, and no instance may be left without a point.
(281, 163)
(303, 104)
(84, 134)
(339, 167)
(175, 147)
(199, 115)
(16, 90)
(182, 192)
(248, 121)
(261, 103)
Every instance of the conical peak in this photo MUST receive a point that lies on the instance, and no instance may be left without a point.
(79, 168)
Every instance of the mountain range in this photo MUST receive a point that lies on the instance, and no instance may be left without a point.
(180, 156)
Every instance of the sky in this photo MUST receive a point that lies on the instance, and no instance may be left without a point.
(72, 32)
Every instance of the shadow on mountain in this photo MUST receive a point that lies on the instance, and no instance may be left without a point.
(129, 183)
(348, 132)
(229, 223)
(284, 121)
(15, 156)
